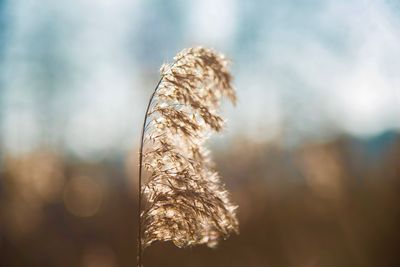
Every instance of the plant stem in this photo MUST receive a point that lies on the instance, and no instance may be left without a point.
(140, 251)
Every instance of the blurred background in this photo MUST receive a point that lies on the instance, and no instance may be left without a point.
(311, 153)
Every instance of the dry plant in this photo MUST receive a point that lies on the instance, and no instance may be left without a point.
(186, 203)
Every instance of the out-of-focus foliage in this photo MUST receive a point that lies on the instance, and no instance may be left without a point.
(320, 204)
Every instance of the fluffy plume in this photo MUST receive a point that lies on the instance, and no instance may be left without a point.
(186, 203)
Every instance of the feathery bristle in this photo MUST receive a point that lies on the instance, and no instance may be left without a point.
(186, 201)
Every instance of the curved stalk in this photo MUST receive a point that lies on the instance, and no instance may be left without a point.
(140, 195)
(139, 258)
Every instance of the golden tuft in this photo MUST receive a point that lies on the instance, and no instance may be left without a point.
(186, 203)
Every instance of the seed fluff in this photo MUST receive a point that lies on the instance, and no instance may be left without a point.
(186, 202)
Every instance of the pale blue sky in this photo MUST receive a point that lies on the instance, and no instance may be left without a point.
(76, 74)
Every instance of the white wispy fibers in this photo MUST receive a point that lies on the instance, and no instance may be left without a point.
(186, 201)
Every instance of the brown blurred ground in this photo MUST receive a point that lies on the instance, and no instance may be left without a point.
(327, 204)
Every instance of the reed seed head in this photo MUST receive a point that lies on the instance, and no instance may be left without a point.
(186, 203)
